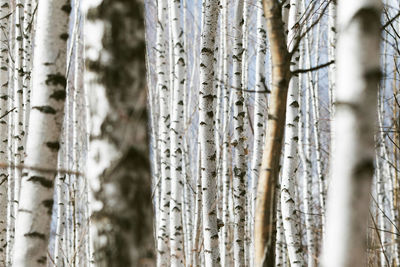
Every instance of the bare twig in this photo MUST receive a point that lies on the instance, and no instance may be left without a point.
(8, 112)
(390, 21)
(313, 68)
(379, 238)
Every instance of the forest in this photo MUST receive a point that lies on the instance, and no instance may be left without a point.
(199, 133)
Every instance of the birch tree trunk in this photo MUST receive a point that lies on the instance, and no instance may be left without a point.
(36, 202)
(239, 164)
(314, 88)
(331, 55)
(29, 29)
(163, 255)
(4, 65)
(207, 133)
(176, 135)
(118, 167)
(305, 156)
(226, 95)
(11, 215)
(352, 167)
(290, 217)
(197, 220)
(18, 131)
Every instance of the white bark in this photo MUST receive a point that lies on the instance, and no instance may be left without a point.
(239, 164)
(176, 135)
(317, 132)
(18, 130)
(11, 181)
(4, 198)
(312, 87)
(207, 133)
(354, 125)
(60, 220)
(198, 211)
(36, 202)
(163, 255)
(77, 146)
(225, 170)
(305, 156)
(331, 55)
(118, 167)
(290, 216)
(29, 29)
(380, 188)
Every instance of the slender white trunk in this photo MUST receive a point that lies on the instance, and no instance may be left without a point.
(354, 125)
(317, 132)
(198, 211)
(239, 163)
(280, 248)
(380, 191)
(163, 255)
(207, 133)
(305, 156)
(77, 110)
(10, 118)
(226, 174)
(176, 134)
(331, 56)
(4, 179)
(17, 131)
(290, 216)
(60, 221)
(312, 87)
(29, 29)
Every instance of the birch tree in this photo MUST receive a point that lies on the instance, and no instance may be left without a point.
(353, 157)
(36, 201)
(238, 142)
(206, 132)
(163, 124)
(118, 167)
(290, 217)
(226, 95)
(4, 65)
(176, 135)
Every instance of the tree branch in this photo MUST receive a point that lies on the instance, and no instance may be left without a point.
(389, 22)
(313, 68)
(301, 36)
(5, 114)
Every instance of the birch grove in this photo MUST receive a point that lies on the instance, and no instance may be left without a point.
(199, 133)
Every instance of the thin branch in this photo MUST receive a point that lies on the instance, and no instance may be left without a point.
(8, 112)
(384, 214)
(390, 21)
(299, 38)
(379, 238)
(313, 68)
(386, 231)
(29, 26)
(266, 90)
(6, 16)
